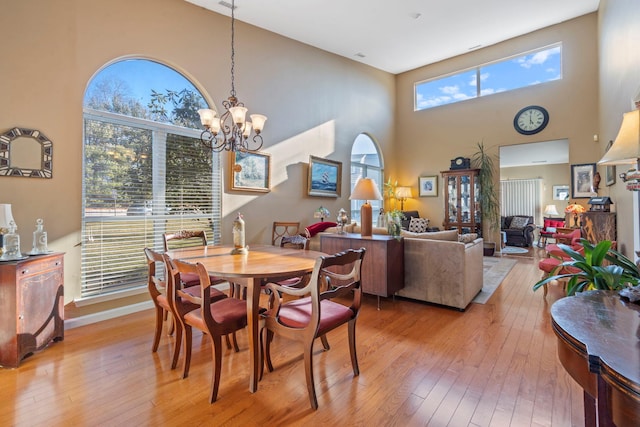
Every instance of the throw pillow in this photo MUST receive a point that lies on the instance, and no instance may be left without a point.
(418, 225)
(519, 222)
(450, 235)
(467, 238)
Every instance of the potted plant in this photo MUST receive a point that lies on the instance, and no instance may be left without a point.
(394, 216)
(590, 271)
(489, 200)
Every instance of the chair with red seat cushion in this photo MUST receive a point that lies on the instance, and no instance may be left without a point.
(549, 266)
(568, 238)
(318, 312)
(216, 319)
(548, 229)
(157, 289)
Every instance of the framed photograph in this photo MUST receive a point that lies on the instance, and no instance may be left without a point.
(610, 171)
(250, 171)
(560, 192)
(582, 180)
(428, 186)
(325, 177)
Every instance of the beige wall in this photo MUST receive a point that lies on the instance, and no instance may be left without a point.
(317, 103)
(551, 175)
(619, 83)
(428, 139)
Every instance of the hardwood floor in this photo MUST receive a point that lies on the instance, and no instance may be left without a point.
(493, 365)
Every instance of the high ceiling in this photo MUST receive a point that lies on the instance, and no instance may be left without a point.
(400, 35)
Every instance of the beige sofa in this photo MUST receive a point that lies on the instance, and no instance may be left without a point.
(438, 268)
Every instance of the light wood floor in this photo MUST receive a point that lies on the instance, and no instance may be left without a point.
(493, 365)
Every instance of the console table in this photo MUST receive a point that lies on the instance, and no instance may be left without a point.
(31, 306)
(382, 270)
(599, 346)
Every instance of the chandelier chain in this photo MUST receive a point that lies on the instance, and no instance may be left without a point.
(233, 50)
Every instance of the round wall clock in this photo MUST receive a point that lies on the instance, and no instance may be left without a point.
(530, 120)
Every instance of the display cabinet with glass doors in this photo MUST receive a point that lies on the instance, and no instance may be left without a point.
(462, 201)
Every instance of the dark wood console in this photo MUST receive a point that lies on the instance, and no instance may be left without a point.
(31, 306)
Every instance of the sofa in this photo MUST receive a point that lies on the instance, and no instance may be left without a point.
(438, 267)
(518, 230)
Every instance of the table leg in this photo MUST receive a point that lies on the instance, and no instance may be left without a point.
(253, 317)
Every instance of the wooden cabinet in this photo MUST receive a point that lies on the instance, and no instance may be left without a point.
(598, 226)
(462, 201)
(31, 306)
(383, 266)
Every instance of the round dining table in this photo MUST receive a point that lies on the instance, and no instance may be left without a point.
(250, 268)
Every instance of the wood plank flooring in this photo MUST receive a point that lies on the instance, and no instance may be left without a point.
(493, 365)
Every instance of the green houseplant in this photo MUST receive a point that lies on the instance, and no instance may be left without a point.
(489, 200)
(393, 216)
(601, 267)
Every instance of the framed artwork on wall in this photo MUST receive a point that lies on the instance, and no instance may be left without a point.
(250, 171)
(324, 177)
(560, 192)
(582, 180)
(428, 186)
(610, 171)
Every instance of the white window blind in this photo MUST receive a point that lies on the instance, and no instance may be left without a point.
(141, 179)
(522, 197)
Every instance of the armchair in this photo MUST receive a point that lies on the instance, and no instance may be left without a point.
(518, 230)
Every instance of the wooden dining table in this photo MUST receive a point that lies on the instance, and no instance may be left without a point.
(261, 261)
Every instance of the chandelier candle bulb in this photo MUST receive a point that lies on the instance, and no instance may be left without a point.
(258, 122)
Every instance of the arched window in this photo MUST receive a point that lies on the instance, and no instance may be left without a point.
(145, 171)
(366, 161)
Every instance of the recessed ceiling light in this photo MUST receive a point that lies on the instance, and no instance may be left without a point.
(416, 15)
(360, 55)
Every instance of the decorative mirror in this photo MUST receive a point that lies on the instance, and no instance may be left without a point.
(25, 152)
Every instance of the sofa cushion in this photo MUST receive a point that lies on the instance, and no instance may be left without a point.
(418, 225)
(451, 235)
(468, 237)
(555, 223)
(519, 222)
(404, 222)
(318, 227)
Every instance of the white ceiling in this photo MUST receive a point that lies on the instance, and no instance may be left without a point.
(535, 154)
(400, 35)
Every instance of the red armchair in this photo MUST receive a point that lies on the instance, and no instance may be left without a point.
(548, 229)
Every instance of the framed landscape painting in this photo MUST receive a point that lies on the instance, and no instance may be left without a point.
(560, 192)
(250, 171)
(324, 177)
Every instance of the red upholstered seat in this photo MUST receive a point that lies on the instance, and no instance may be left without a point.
(549, 266)
(548, 229)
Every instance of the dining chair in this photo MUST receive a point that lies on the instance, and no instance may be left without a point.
(318, 312)
(216, 319)
(282, 229)
(157, 287)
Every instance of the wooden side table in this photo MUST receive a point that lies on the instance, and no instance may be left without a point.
(31, 306)
(383, 265)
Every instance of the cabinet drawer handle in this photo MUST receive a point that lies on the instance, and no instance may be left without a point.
(24, 271)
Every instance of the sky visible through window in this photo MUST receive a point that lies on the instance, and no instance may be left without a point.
(542, 66)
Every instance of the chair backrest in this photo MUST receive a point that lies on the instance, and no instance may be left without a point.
(155, 283)
(281, 229)
(333, 276)
(184, 238)
(297, 242)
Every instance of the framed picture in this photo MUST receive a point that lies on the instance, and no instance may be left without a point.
(610, 171)
(325, 177)
(582, 180)
(560, 192)
(250, 171)
(428, 186)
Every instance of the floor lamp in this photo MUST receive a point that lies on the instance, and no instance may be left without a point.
(366, 189)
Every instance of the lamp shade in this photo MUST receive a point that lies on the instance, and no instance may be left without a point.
(403, 193)
(5, 215)
(551, 210)
(626, 146)
(365, 189)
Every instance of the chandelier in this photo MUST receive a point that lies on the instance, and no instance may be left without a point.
(230, 131)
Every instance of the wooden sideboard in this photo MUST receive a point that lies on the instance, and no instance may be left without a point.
(383, 265)
(31, 306)
(598, 344)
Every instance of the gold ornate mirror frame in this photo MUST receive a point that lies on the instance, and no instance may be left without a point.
(25, 152)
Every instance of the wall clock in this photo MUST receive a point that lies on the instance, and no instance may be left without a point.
(531, 119)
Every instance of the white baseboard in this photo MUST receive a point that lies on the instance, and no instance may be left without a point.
(107, 314)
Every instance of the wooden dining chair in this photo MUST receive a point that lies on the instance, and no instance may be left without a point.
(157, 287)
(318, 312)
(216, 319)
(282, 229)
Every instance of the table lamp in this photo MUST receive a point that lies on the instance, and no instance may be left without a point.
(402, 194)
(575, 209)
(321, 213)
(551, 210)
(365, 189)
